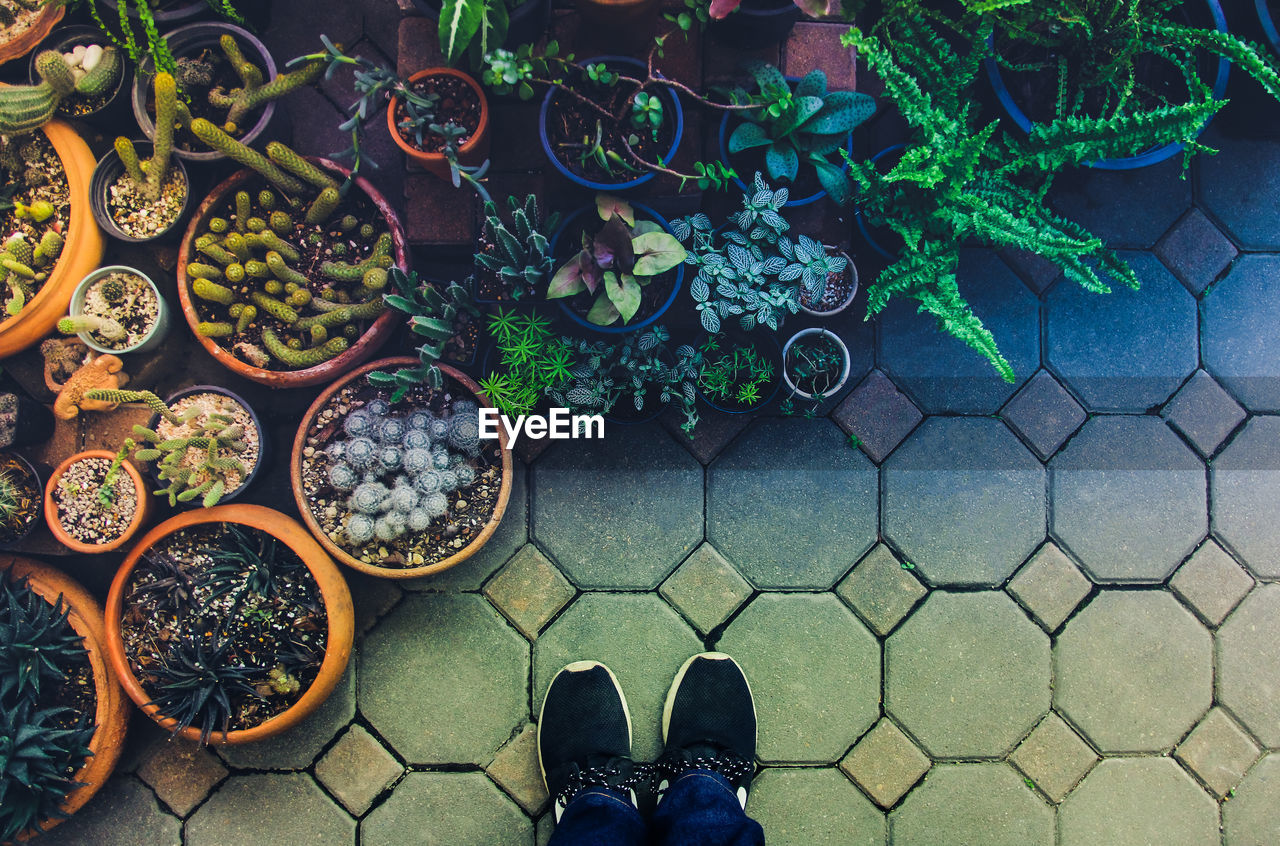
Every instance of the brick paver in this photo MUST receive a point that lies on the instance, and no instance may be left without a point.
(705, 589)
(1244, 484)
(1054, 757)
(357, 769)
(529, 591)
(1250, 819)
(885, 763)
(269, 810)
(1050, 586)
(1239, 315)
(1044, 413)
(881, 590)
(1248, 657)
(436, 809)
(1218, 752)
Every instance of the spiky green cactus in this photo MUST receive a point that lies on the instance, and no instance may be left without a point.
(298, 166)
(324, 206)
(152, 402)
(104, 326)
(218, 140)
(207, 289)
(298, 359)
(56, 73)
(253, 92)
(149, 175)
(26, 108)
(519, 255)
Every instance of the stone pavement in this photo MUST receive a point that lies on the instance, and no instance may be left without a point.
(1031, 614)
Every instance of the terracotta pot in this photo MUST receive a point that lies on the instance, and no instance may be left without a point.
(81, 253)
(45, 21)
(140, 516)
(474, 152)
(299, 494)
(373, 338)
(111, 714)
(333, 590)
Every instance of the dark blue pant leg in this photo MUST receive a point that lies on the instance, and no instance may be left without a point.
(599, 817)
(701, 809)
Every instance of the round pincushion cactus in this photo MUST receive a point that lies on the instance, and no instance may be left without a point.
(439, 429)
(385, 530)
(465, 474)
(416, 439)
(420, 420)
(464, 432)
(440, 457)
(392, 431)
(419, 519)
(336, 450)
(436, 504)
(361, 453)
(358, 424)
(342, 477)
(378, 407)
(428, 482)
(369, 498)
(390, 458)
(448, 480)
(359, 529)
(403, 499)
(417, 460)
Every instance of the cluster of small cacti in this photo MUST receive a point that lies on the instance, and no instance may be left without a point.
(26, 108)
(282, 282)
(254, 91)
(397, 470)
(24, 267)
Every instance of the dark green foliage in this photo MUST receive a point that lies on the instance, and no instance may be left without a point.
(519, 255)
(532, 361)
(247, 561)
(37, 644)
(735, 375)
(195, 680)
(432, 315)
(961, 181)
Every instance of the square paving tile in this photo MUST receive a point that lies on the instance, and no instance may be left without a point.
(1218, 751)
(515, 769)
(1196, 251)
(1050, 586)
(1204, 412)
(1044, 413)
(357, 769)
(182, 774)
(1054, 757)
(881, 590)
(1211, 582)
(705, 588)
(529, 591)
(885, 763)
(879, 415)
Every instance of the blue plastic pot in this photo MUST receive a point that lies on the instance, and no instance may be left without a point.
(742, 185)
(1268, 24)
(641, 211)
(672, 106)
(1150, 157)
(859, 219)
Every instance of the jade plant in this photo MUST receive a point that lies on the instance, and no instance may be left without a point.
(617, 262)
(250, 284)
(26, 108)
(42, 740)
(196, 464)
(517, 256)
(532, 361)
(433, 315)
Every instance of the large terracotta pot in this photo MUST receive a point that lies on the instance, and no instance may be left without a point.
(112, 715)
(81, 253)
(373, 338)
(333, 590)
(474, 152)
(25, 43)
(300, 495)
(140, 516)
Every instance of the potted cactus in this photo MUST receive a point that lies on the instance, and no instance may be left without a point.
(117, 309)
(205, 54)
(281, 277)
(96, 501)
(23, 421)
(84, 49)
(24, 24)
(61, 710)
(397, 483)
(20, 498)
(444, 315)
(514, 262)
(204, 442)
(26, 108)
(229, 624)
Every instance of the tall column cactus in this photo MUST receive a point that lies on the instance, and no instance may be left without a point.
(149, 175)
(26, 108)
(253, 91)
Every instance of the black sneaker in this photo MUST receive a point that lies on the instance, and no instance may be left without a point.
(709, 723)
(584, 734)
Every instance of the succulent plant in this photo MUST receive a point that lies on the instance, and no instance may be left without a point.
(342, 477)
(37, 757)
(359, 424)
(428, 482)
(436, 504)
(359, 529)
(36, 641)
(416, 461)
(361, 452)
(464, 432)
(392, 431)
(369, 498)
(194, 682)
(416, 439)
(420, 419)
(519, 256)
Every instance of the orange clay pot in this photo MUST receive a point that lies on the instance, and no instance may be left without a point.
(140, 515)
(300, 495)
(373, 338)
(473, 152)
(112, 714)
(81, 253)
(45, 21)
(333, 590)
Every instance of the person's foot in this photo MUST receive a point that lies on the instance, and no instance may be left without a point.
(709, 723)
(584, 734)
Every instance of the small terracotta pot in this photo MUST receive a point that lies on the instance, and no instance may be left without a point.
(140, 516)
(111, 713)
(81, 253)
(333, 590)
(474, 152)
(45, 21)
(300, 495)
(373, 338)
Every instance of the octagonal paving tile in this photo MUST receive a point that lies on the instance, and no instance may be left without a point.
(1128, 350)
(777, 473)
(446, 809)
(123, 813)
(941, 373)
(801, 806)
(1128, 499)
(1127, 801)
(1244, 484)
(814, 670)
(621, 512)
(638, 636)
(1238, 186)
(1134, 671)
(269, 810)
(975, 478)
(444, 679)
(967, 674)
(510, 536)
(1248, 652)
(1126, 208)
(299, 746)
(1250, 818)
(1239, 316)
(968, 804)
